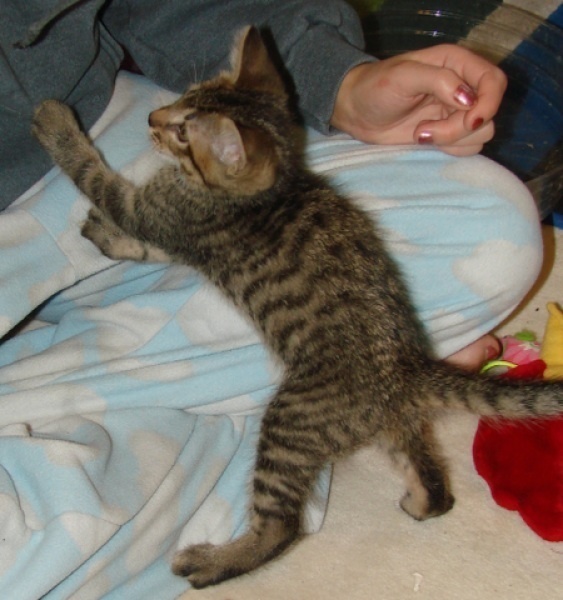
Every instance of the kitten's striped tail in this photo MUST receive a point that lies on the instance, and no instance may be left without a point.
(509, 398)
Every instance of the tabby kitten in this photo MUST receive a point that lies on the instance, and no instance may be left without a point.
(311, 271)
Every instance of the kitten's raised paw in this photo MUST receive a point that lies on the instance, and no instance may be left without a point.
(203, 565)
(52, 122)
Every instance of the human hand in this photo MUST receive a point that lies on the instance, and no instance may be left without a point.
(444, 95)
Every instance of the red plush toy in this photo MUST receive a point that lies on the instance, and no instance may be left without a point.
(523, 461)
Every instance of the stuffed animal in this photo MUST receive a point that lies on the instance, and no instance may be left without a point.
(522, 462)
(552, 348)
(518, 350)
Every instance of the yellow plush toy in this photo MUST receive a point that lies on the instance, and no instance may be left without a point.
(552, 347)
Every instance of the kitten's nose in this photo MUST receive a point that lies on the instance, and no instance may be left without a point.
(152, 120)
(159, 117)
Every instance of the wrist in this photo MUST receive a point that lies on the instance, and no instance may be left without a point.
(346, 114)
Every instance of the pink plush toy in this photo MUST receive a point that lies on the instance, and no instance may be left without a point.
(519, 349)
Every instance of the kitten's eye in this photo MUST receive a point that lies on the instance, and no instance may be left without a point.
(178, 131)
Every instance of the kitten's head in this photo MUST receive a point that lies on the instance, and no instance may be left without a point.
(230, 133)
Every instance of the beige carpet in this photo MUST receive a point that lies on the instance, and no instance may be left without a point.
(369, 549)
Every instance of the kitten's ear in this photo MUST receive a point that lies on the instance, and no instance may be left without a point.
(227, 146)
(253, 67)
(217, 136)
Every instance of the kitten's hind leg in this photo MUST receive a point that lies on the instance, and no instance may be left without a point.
(288, 462)
(115, 243)
(207, 564)
(428, 488)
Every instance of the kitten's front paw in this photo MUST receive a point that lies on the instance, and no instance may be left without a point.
(114, 243)
(203, 565)
(100, 231)
(54, 124)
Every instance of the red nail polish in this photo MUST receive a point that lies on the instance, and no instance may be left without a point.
(478, 123)
(465, 95)
(425, 137)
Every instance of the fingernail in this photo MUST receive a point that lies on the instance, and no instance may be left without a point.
(465, 95)
(425, 137)
(477, 123)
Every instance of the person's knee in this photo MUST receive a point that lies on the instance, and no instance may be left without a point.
(506, 262)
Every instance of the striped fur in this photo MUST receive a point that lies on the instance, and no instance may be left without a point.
(311, 271)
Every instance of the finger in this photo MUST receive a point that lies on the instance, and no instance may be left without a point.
(487, 80)
(454, 95)
(451, 132)
(444, 85)
(490, 90)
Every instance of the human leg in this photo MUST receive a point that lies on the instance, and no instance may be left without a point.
(473, 356)
(465, 233)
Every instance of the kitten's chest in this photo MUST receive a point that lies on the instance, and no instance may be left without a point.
(222, 244)
(241, 256)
